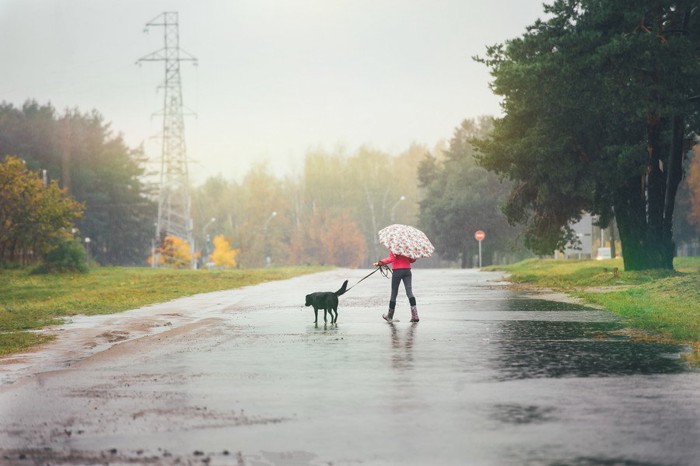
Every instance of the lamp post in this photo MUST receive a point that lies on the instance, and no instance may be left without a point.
(87, 247)
(205, 247)
(155, 248)
(267, 259)
(393, 209)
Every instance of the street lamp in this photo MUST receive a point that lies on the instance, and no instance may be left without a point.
(393, 209)
(265, 246)
(155, 251)
(272, 215)
(87, 247)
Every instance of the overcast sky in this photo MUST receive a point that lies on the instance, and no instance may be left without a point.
(275, 78)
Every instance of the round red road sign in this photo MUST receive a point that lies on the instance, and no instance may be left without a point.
(479, 235)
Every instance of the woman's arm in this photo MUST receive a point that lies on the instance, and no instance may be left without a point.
(386, 260)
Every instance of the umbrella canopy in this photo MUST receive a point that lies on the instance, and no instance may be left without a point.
(405, 240)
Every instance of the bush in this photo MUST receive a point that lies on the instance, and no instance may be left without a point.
(68, 256)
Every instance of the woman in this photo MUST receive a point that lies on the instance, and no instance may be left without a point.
(401, 266)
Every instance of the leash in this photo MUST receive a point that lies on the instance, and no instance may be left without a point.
(385, 270)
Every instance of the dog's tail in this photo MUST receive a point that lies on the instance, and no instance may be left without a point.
(342, 289)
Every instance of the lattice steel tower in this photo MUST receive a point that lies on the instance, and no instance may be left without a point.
(174, 216)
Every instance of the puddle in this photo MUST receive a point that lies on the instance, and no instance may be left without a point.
(551, 344)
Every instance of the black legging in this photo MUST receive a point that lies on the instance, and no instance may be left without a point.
(397, 277)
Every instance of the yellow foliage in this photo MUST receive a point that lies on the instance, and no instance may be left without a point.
(224, 255)
(174, 252)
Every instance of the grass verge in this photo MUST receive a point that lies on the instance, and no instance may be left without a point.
(664, 304)
(30, 302)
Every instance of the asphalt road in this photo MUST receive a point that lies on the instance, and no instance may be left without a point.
(490, 376)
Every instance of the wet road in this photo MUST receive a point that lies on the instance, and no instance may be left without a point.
(488, 377)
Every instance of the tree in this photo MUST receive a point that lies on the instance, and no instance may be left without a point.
(34, 217)
(107, 176)
(342, 242)
(66, 256)
(173, 252)
(219, 199)
(224, 255)
(329, 239)
(461, 198)
(265, 209)
(598, 103)
(95, 167)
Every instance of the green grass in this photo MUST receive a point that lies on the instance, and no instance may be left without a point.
(668, 306)
(563, 274)
(664, 303)
(30, 302)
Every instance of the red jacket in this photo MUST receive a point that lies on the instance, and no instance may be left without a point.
(398, 262)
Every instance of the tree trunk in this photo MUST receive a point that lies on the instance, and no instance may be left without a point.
(642, 249)
(674, 175)
(644, 205)
(655, 181)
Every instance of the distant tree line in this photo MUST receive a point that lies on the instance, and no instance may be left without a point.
(328, 214)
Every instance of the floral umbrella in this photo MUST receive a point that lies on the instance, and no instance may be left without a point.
(405, 240)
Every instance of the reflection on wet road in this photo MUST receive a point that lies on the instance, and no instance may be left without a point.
(488, 377)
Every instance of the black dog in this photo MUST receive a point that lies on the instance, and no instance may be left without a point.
(326, 300)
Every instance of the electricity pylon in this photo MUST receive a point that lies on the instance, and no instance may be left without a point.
(174, 216)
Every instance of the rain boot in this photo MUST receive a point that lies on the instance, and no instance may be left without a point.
(414, 309)
(414, 314)
(390, 315)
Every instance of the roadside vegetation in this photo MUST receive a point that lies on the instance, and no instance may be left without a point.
(665, 304)
(32, 302)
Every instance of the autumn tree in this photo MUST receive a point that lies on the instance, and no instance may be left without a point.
(599, 101)
(329, 239)
(342, 242)
(173, 252)
(224, 255)
(35, 217)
